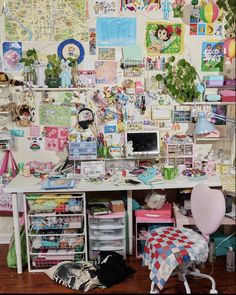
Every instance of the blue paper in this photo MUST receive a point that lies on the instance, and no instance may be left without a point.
(116, 31)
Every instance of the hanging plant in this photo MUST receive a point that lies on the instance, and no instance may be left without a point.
(180, 79)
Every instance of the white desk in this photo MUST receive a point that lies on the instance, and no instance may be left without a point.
(22, 184)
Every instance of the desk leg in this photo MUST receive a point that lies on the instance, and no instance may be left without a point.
(130, 221)
(17, 232)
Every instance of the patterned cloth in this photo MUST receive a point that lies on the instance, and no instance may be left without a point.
(168, 247)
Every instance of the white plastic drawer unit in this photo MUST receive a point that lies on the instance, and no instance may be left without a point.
(56, 229)
(107, 232)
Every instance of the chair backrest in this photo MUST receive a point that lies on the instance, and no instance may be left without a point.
(208, 208)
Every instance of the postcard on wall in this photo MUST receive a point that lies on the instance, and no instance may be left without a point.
(200, 28)
(106, 53)
(104, 7)
(212, 57)
(54, 115)
(162, 38)
(106, 72)
(137, 5)
(86, 78)
(116, 31)
(12, 53)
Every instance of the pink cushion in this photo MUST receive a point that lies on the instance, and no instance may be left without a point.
(208, 208)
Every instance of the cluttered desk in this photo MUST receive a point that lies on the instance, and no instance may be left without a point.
(19, 185)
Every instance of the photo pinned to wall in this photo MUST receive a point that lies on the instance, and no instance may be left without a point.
(212, 57)
(200, 28)
(116, 31)
(104, 7)
(136, 5)
(34, 143)
(87, 78)
(56, 138)
(106, 72)
(12, 53)
(164, 38)
(92, 41)
(106, 53)
(54, 115)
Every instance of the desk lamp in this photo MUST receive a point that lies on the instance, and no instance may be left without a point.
(203, 126)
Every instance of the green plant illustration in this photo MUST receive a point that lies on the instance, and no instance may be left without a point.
(30, 58)
(180, 79)
(229, 7)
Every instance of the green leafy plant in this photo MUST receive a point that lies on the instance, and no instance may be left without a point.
(30, 58)
(180, 80)
(53, 66)
(229, 7)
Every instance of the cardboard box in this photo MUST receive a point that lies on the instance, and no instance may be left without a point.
(117, 206)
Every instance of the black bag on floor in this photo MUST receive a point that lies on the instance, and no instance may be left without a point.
(111, 268)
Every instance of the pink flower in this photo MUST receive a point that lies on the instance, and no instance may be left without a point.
(178, 2)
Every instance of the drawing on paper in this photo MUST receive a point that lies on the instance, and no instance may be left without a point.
(139, 5)
(54, 115)
(46, 20)
(164, 38)
(106, 72)
(104, 7)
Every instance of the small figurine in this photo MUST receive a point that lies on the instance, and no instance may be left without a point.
(40, 72)
(65, 75)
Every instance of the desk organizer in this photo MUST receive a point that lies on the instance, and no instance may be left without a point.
(107, 232)
(55, 229)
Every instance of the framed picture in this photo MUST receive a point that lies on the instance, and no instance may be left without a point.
(212, 57)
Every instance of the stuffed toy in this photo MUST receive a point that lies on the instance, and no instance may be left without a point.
(5, 80)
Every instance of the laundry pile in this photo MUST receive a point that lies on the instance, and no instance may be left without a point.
(108, 269)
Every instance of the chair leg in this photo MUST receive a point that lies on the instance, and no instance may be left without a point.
(153, 289)
(201, 275)
(186, 285)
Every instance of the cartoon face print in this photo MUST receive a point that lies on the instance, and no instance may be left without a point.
(162, 34)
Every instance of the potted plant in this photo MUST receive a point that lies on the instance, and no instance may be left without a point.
(180, 80)
(53, 71)
(29, 66)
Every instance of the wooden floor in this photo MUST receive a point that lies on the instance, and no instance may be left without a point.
(139, 283)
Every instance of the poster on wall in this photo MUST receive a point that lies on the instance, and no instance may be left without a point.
(212, 57)
(41, 20)
(12, 53)
(200, 28)
(116, 31)
(139, 5)
(54, 115)
(106, 72)
(164, 38)
(104, 7)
